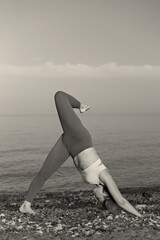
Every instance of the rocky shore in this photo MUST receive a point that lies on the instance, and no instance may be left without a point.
(78, 215)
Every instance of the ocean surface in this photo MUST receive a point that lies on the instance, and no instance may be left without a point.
(128, 145)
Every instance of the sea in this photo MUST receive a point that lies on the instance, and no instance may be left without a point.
(128, 144)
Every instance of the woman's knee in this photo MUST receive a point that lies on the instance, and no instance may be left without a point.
(58, 94)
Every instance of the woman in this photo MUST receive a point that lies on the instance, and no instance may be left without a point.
(77, 143)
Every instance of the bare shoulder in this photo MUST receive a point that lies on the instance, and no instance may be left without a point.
(104, 174)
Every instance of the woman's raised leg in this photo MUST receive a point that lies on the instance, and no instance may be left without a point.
(68, 118)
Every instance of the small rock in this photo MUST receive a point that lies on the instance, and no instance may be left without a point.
(87, 233)
(19, 227)
(151, 224)
(2, 228)
(13, 204)
(3, 220)
(145, 229)
(153, 221)
(75, 235)
(104, 227)
(140, 206)
(48, 224)
(25, 237)
(58, 228)
(40, 232)
(47, 201)
(2, 215)
(73, 228)
(11, 223)
(98, 233)
(110, 218)
(38, 227)
(87, 224)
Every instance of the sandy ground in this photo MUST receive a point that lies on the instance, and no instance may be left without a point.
(78, 215)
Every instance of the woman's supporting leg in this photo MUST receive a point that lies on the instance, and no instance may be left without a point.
(57, 156)
(68, 118)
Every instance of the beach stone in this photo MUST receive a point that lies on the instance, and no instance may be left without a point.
(140, 206)
(12, 223)
(38, 227)
(151, 224)
(104, 227)
(28, 226)
(39, 232)
(75, 235)
(49, 226)
(19, 227)
(98, 234)
(19, 220)
(58, 227)
(87, 233)
(13, 204)
(73, 228)
(146, 229)
(153, 221)
(87, 224)
(2, 228)
(2, 215)
(47, 223)
(110, 218)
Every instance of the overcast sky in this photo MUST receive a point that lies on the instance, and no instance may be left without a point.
(104, 52)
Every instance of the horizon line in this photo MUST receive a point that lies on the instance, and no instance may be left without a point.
(88, 114)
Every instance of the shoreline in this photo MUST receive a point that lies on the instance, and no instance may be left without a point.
(78, 215)
(154, 188)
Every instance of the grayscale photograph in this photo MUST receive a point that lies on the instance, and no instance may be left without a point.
(79, 119)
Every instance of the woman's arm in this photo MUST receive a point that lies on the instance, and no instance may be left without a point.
(107, 179)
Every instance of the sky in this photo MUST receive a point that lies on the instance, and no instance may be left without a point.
(104, 52)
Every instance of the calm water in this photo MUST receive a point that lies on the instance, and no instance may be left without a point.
(128, 145)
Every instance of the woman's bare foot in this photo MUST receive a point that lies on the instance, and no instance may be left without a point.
(26, 208)
(84, 108)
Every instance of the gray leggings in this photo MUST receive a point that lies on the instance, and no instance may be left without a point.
(75, 138)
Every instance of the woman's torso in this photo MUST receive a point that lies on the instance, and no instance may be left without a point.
(85, 158)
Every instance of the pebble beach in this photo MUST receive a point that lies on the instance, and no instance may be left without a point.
(78, 215)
